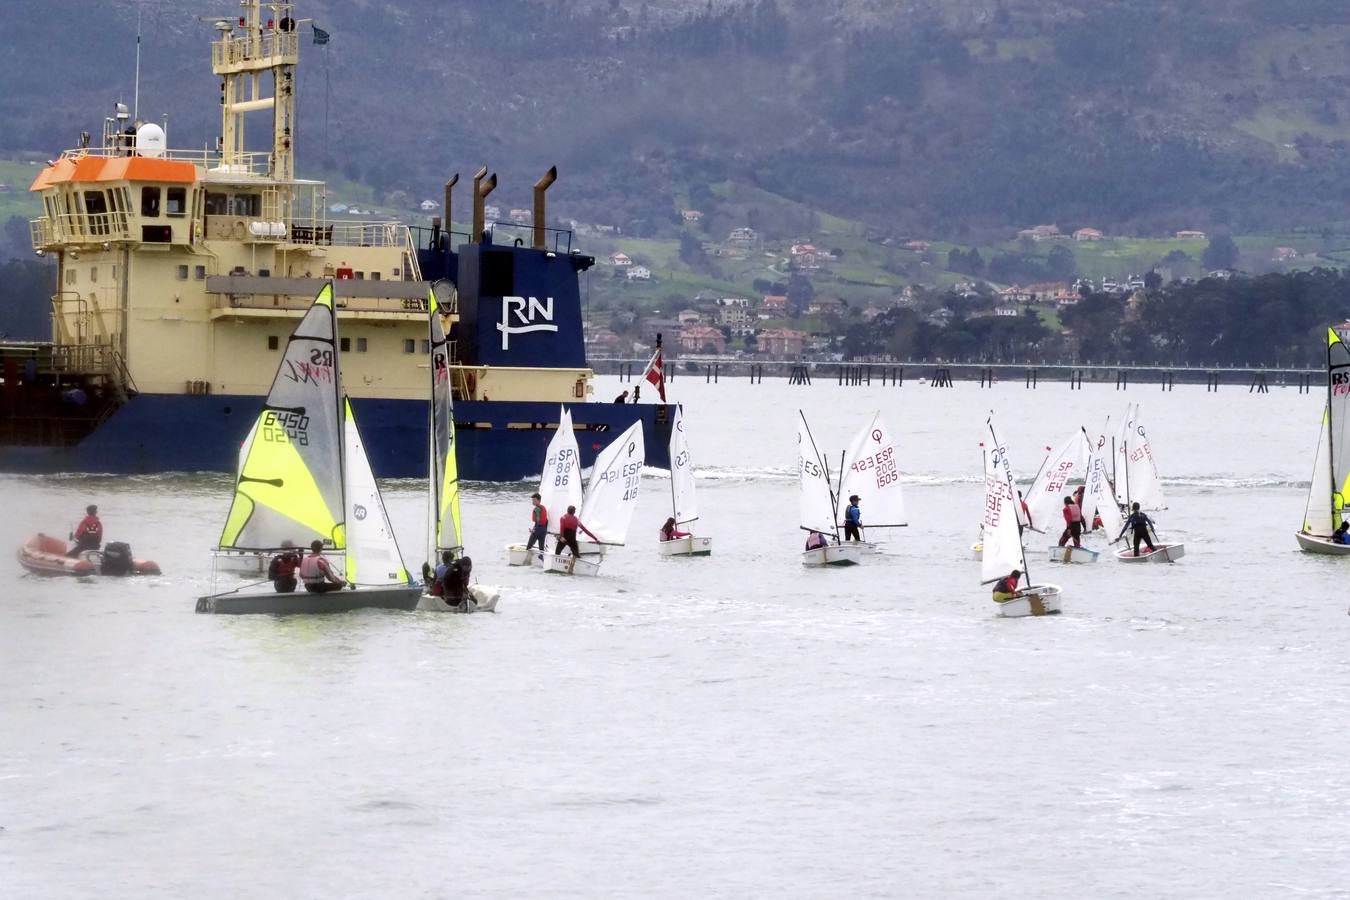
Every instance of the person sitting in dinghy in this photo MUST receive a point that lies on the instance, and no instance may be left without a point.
(282, 569)
(1006, 587)
(1140, 523)
(815, 540)
(567, 533)
(1342, 533)
(88, 535)
(317, 572)
(669, 532)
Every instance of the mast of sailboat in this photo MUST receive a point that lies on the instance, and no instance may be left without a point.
(433, 489)
(341, 407)
(836, 497)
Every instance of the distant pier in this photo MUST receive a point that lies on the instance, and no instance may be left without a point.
(1122, 376)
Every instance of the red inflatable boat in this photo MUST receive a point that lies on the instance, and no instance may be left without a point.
(43, 554)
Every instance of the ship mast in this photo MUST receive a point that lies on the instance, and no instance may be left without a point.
(243, 55)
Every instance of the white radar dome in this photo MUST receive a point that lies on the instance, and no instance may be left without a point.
(150, 140)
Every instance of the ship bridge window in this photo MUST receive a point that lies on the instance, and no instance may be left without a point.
(199, 273)
(150, 202)
(216, 204)
(182, 273)
(409, 345)
(176, 201)
(360, 345)
(273, 342)
(345, 344)
(96, 205)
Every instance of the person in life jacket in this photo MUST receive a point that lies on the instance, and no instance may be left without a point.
(1073, 523)
(853, 519)
(317, 572)
(283, 567)
(1140, 523)
(1006, 587)
(567, 533)
(1342, 534)
(538, 522)
(815, 540)
(669, 532)
(88, 535)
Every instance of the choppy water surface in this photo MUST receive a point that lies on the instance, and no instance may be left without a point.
(732, 726)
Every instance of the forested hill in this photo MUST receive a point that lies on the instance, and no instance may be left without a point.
(954, 118)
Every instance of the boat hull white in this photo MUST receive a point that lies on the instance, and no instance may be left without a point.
(591, 548)
(1072, 554)
(482, 598)
(518, 555)
(1162, 553)
(1033, 600)
(977, 551)
(567, 564)
(685, 546)
(833, 555)
(1321, 544)
(302, 602)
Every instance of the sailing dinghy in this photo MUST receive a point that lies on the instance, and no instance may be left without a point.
(1139, 483)
(683, 505)
(559, 484)
(1098, 501)
(817, 503)
(870, 470)
(611, 497)
(445, 533)
(306, 477)
(1002, 541)
(1331, 462)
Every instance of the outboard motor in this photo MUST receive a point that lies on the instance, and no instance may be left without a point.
(116, 559)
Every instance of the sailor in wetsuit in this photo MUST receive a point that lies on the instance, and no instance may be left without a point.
(1006, 587)
(1140, 523)
(853, 519)
(567, 533)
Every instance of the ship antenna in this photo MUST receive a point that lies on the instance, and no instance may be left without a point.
(136, 94)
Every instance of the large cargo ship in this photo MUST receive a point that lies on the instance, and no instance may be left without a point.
(180, 274)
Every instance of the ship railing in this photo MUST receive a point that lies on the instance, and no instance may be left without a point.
(559, 240)
(349, 234)
(272, 47)
(253, 163)
(98, 362)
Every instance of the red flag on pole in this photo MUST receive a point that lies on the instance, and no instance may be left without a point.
(656, 374)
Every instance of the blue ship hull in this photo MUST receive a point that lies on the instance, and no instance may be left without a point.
(497, 440)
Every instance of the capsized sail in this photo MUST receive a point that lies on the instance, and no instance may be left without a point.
(372, 552)
(1066, 464)
(1002, 540)
(289, 485)
(1098, 498)
(560, 483)
(815, 498)
(872, 471)
(446, 533)
(612, 492)
(683, 503)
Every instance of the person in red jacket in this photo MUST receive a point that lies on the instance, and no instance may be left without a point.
(1073, 523)
(1006, 587)
(88, 535)
(567, 533)
(538, 523)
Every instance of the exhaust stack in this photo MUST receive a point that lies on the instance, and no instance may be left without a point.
(445, 210)
(540, 187)
(481, 189)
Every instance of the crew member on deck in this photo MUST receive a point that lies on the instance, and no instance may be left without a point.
(538, 522)
(317, 572)
(88, 535)
(853, 519)
(1342, 534)
(283, 567)
(1073, 523)
(1006, 587)
(1140, 523)
(669, 532)
(567, 533)
(622, 398)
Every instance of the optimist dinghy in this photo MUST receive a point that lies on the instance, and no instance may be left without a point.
(870, 470)
(1002, 541)
(816, 505)
(1139, 483)
(683, 503)
(611, 498)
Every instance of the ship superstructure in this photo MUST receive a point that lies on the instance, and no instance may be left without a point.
(181, 273)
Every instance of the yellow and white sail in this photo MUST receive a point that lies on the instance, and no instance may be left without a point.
(446, 532)
(289, 485)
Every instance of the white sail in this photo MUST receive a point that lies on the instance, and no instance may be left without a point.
(560, 484)
(872, 471)
(612, 492)
(1045, 497)
(1331, 473)
(372, 553)
(1002, 541)
(1119, 471)
(1142, 484)
(1317, 515)
(815, 499)
(684, 506)
(1098, 498)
